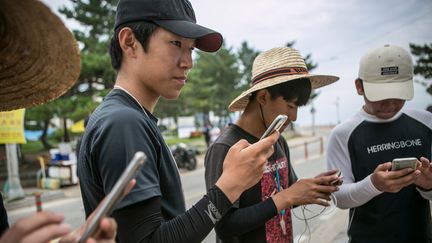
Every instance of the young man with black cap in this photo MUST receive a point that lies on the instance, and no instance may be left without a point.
(27, 78)
(280, 84)
(385, 205)
(152, 52)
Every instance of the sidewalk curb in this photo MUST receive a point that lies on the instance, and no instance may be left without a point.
(29, 200)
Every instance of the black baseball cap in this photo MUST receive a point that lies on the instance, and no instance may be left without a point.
(176, 16)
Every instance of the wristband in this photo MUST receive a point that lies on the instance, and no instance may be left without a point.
(219, 204)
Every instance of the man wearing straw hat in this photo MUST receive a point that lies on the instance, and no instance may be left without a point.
(385, 205)
(280, 84)
(151, 50)
(39, 61)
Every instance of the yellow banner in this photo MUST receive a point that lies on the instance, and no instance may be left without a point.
(12, 126)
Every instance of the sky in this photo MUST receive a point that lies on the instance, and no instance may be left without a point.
(336, 33)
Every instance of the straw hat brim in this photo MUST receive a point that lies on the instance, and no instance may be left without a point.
(39, 57)
(317, 81)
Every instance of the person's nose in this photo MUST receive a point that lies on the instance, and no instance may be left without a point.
(186, 61)
(292, 115)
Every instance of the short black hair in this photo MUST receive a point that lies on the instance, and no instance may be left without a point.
(142, 31)
(299, 89)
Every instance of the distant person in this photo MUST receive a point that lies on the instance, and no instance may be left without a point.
(39, 62)
(280, 84)
(214, 134)
(385, 206)
(206, 133)
(151, 51)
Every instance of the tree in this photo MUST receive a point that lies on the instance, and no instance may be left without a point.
(97, 19)
(214, 82)
(423, 66)
(38, 118)
(246, 56)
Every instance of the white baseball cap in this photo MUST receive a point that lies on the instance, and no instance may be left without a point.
(387, 73)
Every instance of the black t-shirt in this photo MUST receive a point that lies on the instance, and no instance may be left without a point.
(4, 225)
(116, 130)
(154, 211)
(253, 218)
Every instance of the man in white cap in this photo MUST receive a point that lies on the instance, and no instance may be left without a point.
(280, 84)
(151, 50)
(385, 205)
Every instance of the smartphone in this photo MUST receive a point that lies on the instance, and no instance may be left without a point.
(115, 195)
(339, 175)
(275, 125)
(402, 163)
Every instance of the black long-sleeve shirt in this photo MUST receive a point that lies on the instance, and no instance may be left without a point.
(143, 221)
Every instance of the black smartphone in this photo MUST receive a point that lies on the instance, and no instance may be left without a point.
(114, 196)
(275, 125)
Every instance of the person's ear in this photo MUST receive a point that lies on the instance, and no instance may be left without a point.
(127, 41)
(359, 86)
(262, 96)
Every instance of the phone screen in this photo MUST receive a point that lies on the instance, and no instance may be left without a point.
(115, 196)
(275, 125)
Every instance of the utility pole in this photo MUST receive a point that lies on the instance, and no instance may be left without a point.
(15, 190)
(312, 111)
(337, 110)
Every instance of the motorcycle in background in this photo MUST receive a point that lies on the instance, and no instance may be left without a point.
(184, 156)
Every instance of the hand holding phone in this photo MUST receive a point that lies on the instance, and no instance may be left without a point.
(402, 163)
(115, 196)
(275, 125)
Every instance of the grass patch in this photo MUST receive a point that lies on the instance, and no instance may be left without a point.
(36, 146)
(174, 140)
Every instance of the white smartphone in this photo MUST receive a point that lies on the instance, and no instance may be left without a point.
(339, 175)
(275, 125)
(402, 163)
(114, 196)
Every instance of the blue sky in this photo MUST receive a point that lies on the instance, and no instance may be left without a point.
(337, 33)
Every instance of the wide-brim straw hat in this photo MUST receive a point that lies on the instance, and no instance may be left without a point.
(39, 57)
(276, 66)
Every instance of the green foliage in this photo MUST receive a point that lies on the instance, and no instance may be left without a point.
(175, 140)
(219, 76)
(35, 146)
(37, 115)
(97, 16)
(97, 19)
(246, 56)
(423, 65)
